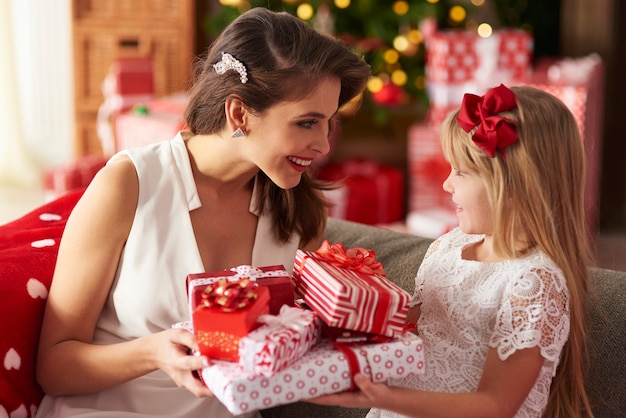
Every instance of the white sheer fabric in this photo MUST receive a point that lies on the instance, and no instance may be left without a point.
(36, 100)
(469, 306)
(13, 158)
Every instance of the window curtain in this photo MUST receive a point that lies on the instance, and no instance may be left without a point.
(16, 167)
(36, 97)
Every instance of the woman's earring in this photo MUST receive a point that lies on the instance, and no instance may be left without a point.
(238, 133)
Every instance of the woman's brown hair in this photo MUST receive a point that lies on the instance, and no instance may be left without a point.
(285, 59)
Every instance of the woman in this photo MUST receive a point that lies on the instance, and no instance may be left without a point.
(232, 190)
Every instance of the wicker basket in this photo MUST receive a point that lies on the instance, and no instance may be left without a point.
(105, 30)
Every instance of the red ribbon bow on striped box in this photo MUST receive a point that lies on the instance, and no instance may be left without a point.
(348, 289)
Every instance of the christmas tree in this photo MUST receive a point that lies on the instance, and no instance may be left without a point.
(390, 34)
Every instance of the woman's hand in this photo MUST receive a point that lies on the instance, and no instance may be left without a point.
(173, 356)
(369, 395)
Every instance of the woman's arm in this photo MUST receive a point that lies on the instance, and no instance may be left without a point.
(95, 234)
(502, 389)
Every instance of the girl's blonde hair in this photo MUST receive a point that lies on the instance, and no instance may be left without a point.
(536, 191)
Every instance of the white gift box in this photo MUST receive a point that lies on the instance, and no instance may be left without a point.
(323, 370)
(280, 341)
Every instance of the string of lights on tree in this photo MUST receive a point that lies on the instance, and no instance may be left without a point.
(390, 34)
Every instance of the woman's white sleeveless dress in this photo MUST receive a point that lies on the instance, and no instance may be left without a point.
(149, 294)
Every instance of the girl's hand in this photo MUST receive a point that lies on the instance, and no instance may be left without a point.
(369, 395)
(173, 348)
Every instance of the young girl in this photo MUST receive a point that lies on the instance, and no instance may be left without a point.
(500, 300)
(231, 190)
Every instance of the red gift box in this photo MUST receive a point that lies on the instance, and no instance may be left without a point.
(162, 120)
(578, 82)
(281, 340)
(275, 278)
(323, 370)
(454, 56)
(131, 76)
(374, 192)
(348, 290)
(428, 169)
(71, 176)
(278, 341)
(219, 331)
(458, 62)
(130, 80)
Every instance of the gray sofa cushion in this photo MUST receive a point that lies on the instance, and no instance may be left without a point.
(401, 254)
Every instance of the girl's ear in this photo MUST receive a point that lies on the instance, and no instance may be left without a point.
(235, 113)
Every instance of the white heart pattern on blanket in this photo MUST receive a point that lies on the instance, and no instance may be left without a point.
(50, 217)
(36, 289)
(49, 242)
(20, 412)
(12, 360)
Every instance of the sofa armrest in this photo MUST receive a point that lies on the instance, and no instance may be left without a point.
(606, 377)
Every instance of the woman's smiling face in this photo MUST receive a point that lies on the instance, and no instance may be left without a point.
(287, 137)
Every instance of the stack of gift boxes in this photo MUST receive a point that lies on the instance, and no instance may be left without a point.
(269, 350)
(460, 61)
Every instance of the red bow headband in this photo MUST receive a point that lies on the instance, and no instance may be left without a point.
(494, 132)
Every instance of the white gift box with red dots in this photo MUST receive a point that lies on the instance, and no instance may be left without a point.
(323, 370)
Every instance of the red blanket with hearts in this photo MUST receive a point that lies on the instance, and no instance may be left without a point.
(28, 250)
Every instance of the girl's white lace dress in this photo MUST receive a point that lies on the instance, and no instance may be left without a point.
(470, 306)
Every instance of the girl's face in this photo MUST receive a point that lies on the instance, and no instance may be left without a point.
(469, 194)
(290, 135)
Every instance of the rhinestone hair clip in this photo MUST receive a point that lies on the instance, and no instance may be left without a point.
(229, 62)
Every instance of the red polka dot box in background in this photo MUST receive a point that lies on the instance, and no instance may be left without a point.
(28, 250)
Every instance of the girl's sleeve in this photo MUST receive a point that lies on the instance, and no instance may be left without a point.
(534, 313)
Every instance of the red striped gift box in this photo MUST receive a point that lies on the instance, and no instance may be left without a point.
(348, 290)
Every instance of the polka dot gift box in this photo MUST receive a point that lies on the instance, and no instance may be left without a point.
(458, 61)
(323, 370)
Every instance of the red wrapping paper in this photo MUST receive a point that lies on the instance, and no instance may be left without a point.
(71, 176)
(218, 332)
(579, 82)
(132, 76)
(275, 278)
(453, 56)
(163, 120)
(348, 290)
(374, 192)
(281, 340)
(428, 169)
(458, 62)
